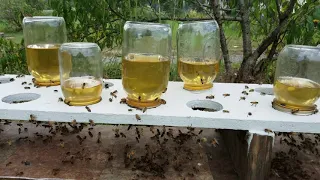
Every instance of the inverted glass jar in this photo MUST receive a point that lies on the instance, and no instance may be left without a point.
(81, 73)
(43, 36)
(297, 78)
(198, 46)
(146, 56)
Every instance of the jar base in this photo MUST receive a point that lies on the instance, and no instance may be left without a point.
(191, 87)
(82, 103)
(138, 104)
(52, 83)
(295, 110)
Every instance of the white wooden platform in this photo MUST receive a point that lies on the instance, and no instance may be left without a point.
(174, 113)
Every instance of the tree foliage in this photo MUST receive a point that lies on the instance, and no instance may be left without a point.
(13, 11)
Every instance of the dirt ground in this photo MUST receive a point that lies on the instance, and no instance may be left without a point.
(70, 152)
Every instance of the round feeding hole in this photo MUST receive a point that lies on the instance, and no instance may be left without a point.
(4, 80)
(264, 91)
(205, 105)
(107, 84)
(20, 98)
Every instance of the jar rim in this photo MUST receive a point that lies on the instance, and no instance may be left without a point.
(42, 18)
(199, 22)
(79, 45)
(147, 23)
(302, 46)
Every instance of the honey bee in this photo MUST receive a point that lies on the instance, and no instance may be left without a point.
(130, 154)
(138, 117)
(262, 93)
(130, 110)
(19, 173)
(214, 142)
(162, 101)
(129, 127)
(139, 98)
(8, 164)
(294, 111)
(251, 90)
(19, 76)
(144, 109)
(60, 99)
(55, 90)
(26, 87)
(245, 92)
(210, 97)
(226, 95)
(249, 114)
(83, 85)
(268, 130)
(156, 99)
(114, 94)
(123, 101)
(55, 171)
(74, 122)
(165, 90)
(242, 98)
(11, 79)
(254, 103)
(91, 122)
(123, 135)
(68, 103)
(7, 122)
(202, 81)
(25, 129)
(110, 99)
(88, 109)
(32, 117)
(106, 85)
(23, 83)
(99, 138)
(226, 111)
(315, 111)
(200, 131)
(246, 87)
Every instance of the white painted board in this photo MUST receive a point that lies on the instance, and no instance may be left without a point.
(174, 113)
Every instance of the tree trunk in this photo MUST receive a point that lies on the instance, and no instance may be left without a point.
(248, 65)
(223, 41)
(246, 70)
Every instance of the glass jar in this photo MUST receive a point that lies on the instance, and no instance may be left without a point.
(198, 45)
(146, 56)
(296, 85)
(81, 73)
(43, 36)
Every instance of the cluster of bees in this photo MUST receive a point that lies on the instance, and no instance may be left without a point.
(245, 92)
(286, 164)
(154, 162)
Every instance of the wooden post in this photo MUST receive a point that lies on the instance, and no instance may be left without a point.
(251, 152)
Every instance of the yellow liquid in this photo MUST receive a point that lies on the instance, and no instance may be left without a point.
(296, 92)
(77, 93)
(144, 78)
(43, 63)
(198, 75)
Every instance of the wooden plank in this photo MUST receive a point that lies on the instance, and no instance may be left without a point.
(251, 153)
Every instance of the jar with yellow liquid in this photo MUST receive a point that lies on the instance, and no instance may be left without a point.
(198, 45)
(81, 73)
(43, 36)
(146, 56)
(296, 86)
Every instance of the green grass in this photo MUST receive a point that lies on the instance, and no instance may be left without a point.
(3, 26)
(16, 37)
